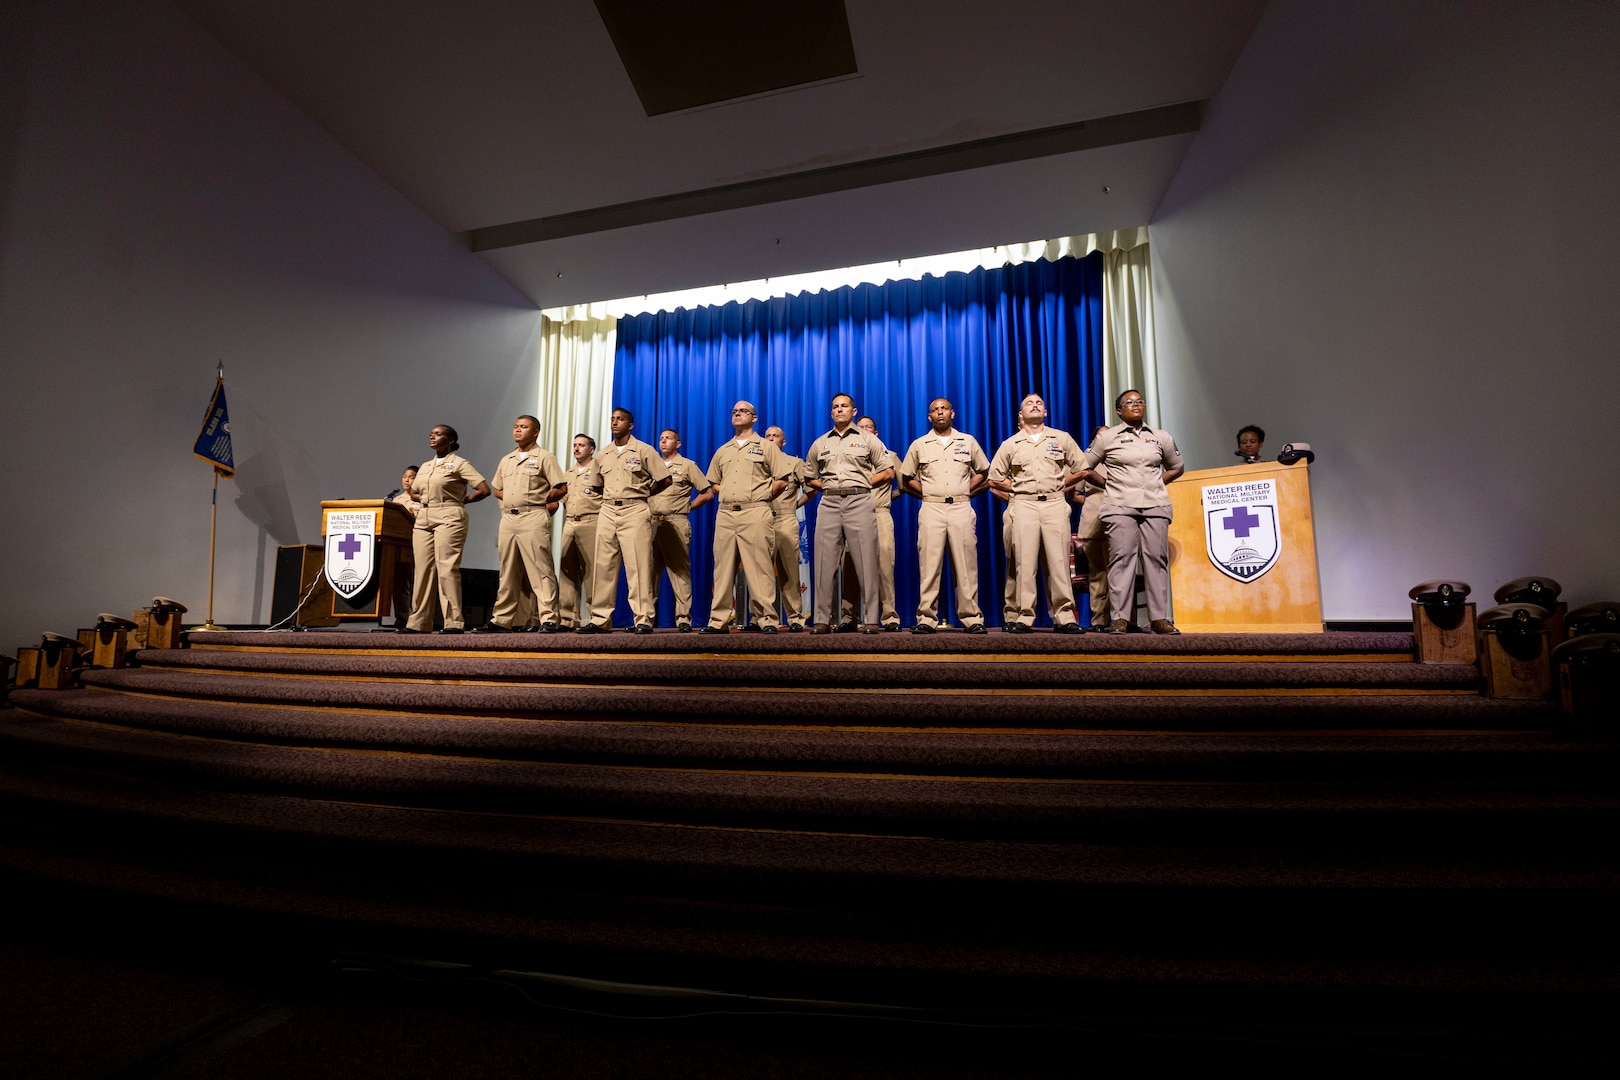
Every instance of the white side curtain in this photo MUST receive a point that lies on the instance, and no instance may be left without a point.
(576, 384)
(1130, 360)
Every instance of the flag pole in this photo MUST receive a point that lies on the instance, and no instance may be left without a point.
(213, 525)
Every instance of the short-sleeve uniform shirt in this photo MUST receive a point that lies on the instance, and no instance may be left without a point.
(582, 484)
(744, 469)
(1037, 464)
(630, 471)
(684, 478)
(847, 461)
(788, 501)
(945, 465)
(444, 481)
(526, 477)
(1136, 460)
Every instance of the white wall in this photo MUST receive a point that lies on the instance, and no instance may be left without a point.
(1397, 238)
(161, 208)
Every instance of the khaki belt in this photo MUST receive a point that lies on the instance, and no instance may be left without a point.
(740, 505)
(582, 517)
(667, 517)
(625, 502)
(947, 499)
(847, 491)
(1038, 496)
(519, 509)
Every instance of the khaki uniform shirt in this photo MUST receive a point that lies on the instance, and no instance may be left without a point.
(630, 471)
(848, 460)
(1136, 460)
(684, 478)
(526, 477)
(582, 483)
(788, 501)
(444, 481)
(883, 494)
(1037, 466)
(408, 501)
(744, 473)
(945, 468)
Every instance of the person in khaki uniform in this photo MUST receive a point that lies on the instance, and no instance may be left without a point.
(841, 465)
(883, 514)
(945, 469)
(747, 472)
(632, 472)
(672, 528)
(578, 554)
(401, 602)
(441, 530)
(1136, 510)
(524, 482)
(1094, 542)
(1035, 467)
(785, 536)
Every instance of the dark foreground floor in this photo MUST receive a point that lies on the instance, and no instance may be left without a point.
(101, 994)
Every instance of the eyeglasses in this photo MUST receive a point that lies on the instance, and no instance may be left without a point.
(1132, 401)
(734, 412)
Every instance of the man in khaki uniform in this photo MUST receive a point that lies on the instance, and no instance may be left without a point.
(945, 469)
(883, 514)
(672, 528)
(578, 554)
(632, 472)
(747, 472)
(785, 536)
(1035, 467)
(523, 484)
(1094, 540)
(841, 464)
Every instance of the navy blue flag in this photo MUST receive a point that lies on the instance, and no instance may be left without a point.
(214, 440)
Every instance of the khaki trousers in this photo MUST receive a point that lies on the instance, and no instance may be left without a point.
(1009, 582)
(574, 565)
(743, 536)
(885, 570)
(1134, 531)
(1040, 533)
(952, 527)
(671, 545)
(785, 554)
(623, 534)
(524, 547)
(846, 522)
(436, 549)
(1096, 549)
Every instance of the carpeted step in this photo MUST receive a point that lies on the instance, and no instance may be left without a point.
(1151, 811)
(1171, 755)
(815, 672)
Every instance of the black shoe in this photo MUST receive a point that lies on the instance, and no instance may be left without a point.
(923, 628)
(590, 628)
(548, 628)
(767, 628)
(643, 628)
(1018, 628)
(1066, 628)
(891, 628)
(684, 627)
(977, 628)
(493, 628)
(451, 630)
(711, 629)
(795, 628)
(846, 628)
(406, 630)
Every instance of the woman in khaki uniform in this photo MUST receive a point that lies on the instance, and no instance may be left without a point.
(441, 530)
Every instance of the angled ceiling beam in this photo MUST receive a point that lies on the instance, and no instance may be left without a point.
(1156, 123)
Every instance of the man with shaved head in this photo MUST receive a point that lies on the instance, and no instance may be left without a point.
(747, 473)
(1035, 467)
(842, 465)
(945, 469)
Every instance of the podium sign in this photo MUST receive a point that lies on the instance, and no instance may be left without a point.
(1243, 551)
(367, 549)
(351, 543)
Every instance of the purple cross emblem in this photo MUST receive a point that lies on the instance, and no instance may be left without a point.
(1240, 521)
(351, 547)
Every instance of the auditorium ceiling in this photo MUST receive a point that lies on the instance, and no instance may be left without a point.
(591, 149)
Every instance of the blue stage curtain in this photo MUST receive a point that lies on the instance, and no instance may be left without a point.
(982, 339)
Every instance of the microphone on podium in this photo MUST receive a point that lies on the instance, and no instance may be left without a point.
(1248, 459)
(391, 494)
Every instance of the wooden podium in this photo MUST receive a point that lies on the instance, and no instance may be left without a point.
(1283, 598)
(391, 525)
